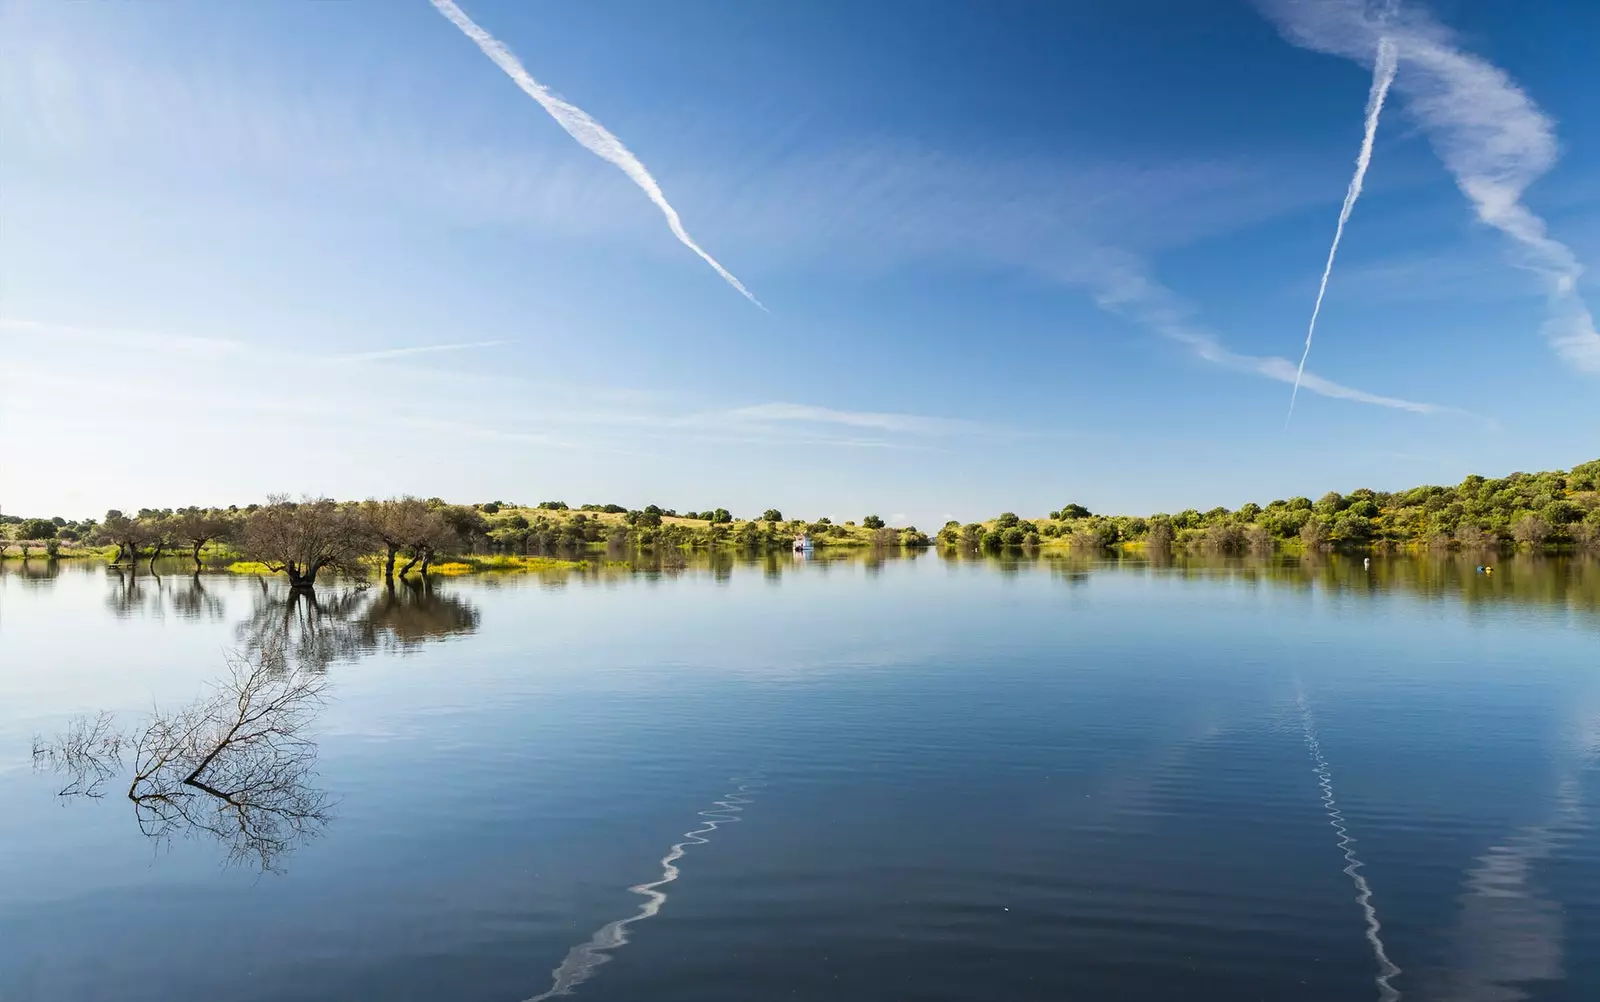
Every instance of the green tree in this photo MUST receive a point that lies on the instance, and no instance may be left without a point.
(772, 515)
(872, 522)
(36, 529)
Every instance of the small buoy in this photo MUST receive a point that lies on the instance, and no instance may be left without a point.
(1367, 563)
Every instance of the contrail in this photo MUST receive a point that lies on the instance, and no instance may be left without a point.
(1487, 131)
(591, 134)
(426, 349)
(1383, 70)
(1346, 843)
(582, 959)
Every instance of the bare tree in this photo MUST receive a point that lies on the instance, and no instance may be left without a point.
(87, 753)
(233, 765)
(429, 538)
(195, 527)
(406, 523)
(301, 539)
(1531, 529)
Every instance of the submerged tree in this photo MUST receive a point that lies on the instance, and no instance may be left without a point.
(406, 523)
(301, 539)
(195, 527)
(233, 765)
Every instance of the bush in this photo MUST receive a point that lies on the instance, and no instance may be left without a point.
(872, 522)
(1531, 529)
(37, 528)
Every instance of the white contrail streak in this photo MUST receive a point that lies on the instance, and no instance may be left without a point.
(1382, 76)
(582, 959)
(1489, 134)
(1346, 843)
(591, 134)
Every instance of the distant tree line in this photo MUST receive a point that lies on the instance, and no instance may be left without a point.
(306, 538)
(1558, 508)
(399, 536)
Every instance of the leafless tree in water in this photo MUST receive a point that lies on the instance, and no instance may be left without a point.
(87, 754)
(233, 765)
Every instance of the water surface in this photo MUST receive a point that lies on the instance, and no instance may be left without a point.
(863, 779)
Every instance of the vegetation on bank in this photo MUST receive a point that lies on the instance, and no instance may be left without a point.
(406, 536)
(1555, 509)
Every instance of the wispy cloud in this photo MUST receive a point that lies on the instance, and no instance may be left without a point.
(426, 349)
(591, 134)
(1122, 286)
(1488, 133)
(197, 347)
(806, 413)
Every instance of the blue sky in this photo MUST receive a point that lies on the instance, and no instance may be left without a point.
(1011, 255)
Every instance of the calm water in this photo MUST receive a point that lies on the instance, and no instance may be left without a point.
(916, 779)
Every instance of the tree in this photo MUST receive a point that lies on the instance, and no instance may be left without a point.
(196, 527)
(1072, 511)
(301, 539)
(1531, 529)
(401, 523)
(720, 517)
(645, 519)
(1314, 534)
(427, 536)
(772, 515)
(1159, 538)
(872, 522)
(128, 535)
(158, 531)
(36, 528)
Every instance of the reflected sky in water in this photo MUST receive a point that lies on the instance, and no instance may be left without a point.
(1015, 778)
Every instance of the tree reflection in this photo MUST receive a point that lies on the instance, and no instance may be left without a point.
(233, 765)
(400, 619)
(315, 629)
(195, 601)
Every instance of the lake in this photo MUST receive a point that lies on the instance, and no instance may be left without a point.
(915, 778)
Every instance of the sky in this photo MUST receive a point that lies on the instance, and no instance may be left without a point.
(931, 261)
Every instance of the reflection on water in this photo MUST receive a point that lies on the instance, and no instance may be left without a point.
(1346, 843)
(316, 629)
(1511, 931)
(1061, 772)
(582, 959)
(234, 765)
(1571, 582)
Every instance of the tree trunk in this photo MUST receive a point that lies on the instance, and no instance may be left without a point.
(427, 558)
(416, 555)
(388, 563)
(301, 580)
(197, 545)
(117, 559)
